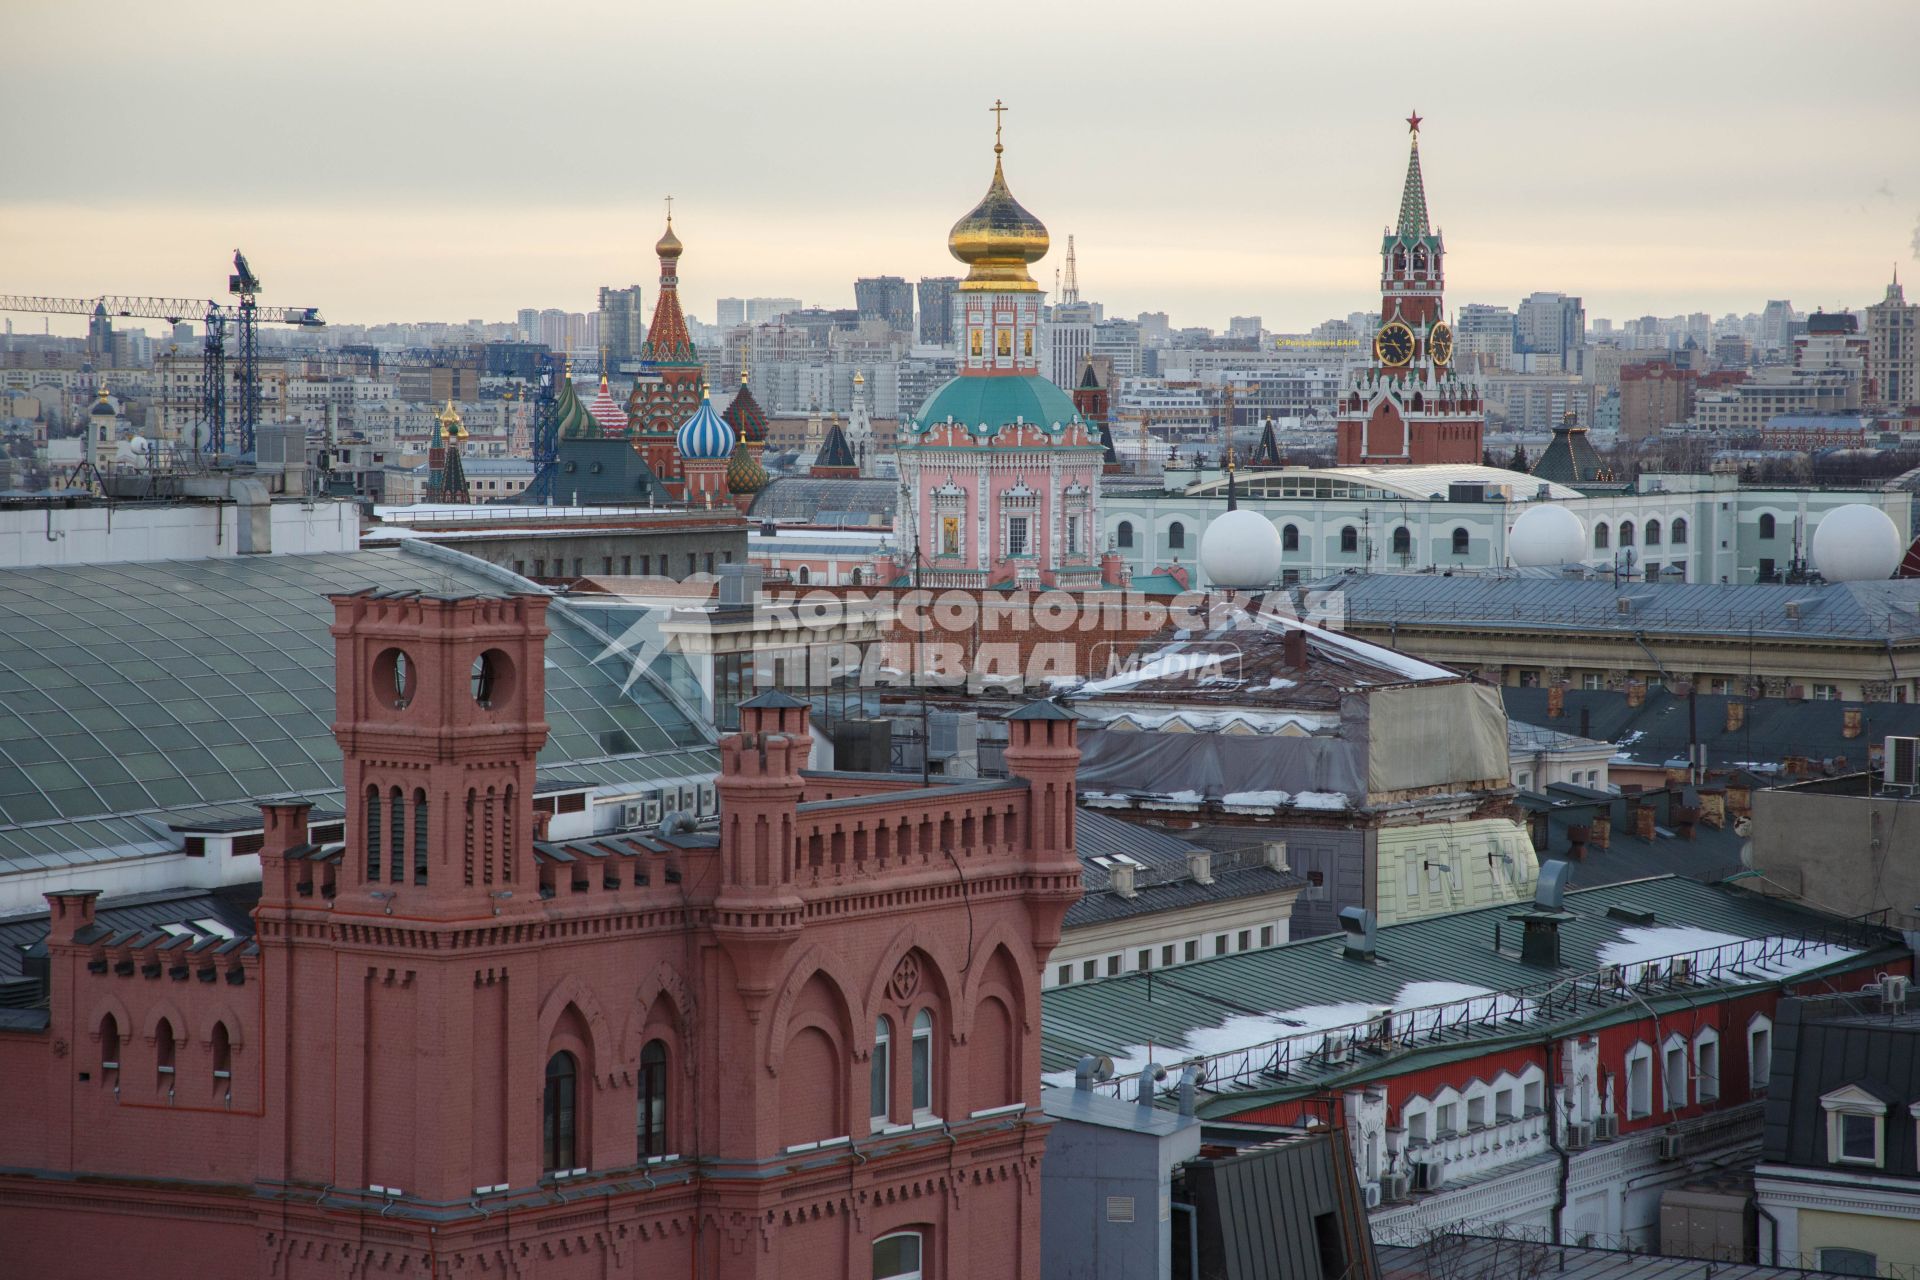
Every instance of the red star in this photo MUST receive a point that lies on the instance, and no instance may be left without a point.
(1413, 122)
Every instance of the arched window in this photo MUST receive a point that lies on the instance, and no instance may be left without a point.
(420, 836)
(1289, 538)
(652, 1121)
(163, 1052)
(1349, 539)
(1420, 257)
(1680, 532)
(1124, 534)
(880, 1088)
(897, 1257)
(1176, 535)
(1626, 533)
(1402, 541)
(923, 1062)
(373, 834)
(1461, 541)
(1600, 540)
(109, 1044)
(802, 575)
(222, 1054)
(1653, 533)
(1766, 526)
(397, 835)
(1399, 258)
(557, 1113)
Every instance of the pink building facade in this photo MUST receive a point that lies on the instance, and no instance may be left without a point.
(999, 474)
(805, 1045)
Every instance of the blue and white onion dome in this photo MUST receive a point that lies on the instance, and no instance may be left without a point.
(705, 436)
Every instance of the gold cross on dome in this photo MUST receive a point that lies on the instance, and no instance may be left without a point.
(999, 110)
(669, 208)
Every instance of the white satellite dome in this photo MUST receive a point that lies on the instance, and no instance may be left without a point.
(1856, 543)
(1241, 550)
(1546, 534)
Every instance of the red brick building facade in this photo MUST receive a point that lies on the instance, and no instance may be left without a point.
(807, 1045)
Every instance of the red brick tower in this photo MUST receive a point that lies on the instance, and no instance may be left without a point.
(1410, 406)
(667, 391)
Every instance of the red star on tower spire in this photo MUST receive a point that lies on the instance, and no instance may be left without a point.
(1413, 122)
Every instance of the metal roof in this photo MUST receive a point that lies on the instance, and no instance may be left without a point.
(1871, 611)
(1162, 880)
(846, 501)
(133, 693)
(1252, 993)
(1771, 730)
(230, 908)
(1464, 1255)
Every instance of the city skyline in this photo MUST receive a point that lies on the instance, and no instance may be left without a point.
(1689, 179)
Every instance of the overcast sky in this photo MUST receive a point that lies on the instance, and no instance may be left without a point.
(410, 160)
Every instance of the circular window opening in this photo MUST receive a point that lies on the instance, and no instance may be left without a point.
(492, 678)
(393, 677)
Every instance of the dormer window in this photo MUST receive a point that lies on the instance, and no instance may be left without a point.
(1856, 1127)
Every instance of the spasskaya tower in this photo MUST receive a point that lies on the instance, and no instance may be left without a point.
(1409, 405)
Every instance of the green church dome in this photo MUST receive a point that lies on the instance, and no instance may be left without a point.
(998, 401)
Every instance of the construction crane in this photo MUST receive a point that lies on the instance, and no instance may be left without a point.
(246, 316)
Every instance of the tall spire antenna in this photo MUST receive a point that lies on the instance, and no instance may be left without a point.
(1071, 290)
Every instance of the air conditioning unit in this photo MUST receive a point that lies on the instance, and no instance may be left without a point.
(650, 810)
(709, 800)
(1893, 992)
(1579, 1137)
(1614, 975)
(632, 815)
(1606, 1127)
(1669, 1146)
(1428, 1175)
(1372, 1191)
(1682, 968)
(1900, 762)
(1395, 1187)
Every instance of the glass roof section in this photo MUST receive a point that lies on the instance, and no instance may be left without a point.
(135, 688)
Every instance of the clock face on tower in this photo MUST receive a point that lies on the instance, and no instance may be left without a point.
(1393, 345)
(1440, 344)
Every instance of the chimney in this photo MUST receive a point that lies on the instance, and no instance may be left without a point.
(1578, 833)
(1275, 854)
(1556, 699)
(1736, 715)
(1636, 692)
(1200, 866)
(1602, 830)
(1643, 820)
(72, 911)
(1850, 722)
(1540, 927)
(1120, 879)
(1294, 648)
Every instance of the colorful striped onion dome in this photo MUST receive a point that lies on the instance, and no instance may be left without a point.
(605, 411)
(705, 436)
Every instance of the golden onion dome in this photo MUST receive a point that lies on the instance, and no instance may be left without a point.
(998, 238)
(449, 420)
(669, 244)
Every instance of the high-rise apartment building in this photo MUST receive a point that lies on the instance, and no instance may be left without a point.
(1484, 333)
(1893, 361)
(936, 309)
(1549, 324)
(888, 298)
(1776, 325)
(623, 325)
(732, 312)
(1119, 342)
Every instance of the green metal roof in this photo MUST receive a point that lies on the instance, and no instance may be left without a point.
(996, 401)
(148, 689)
(1253, 993)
